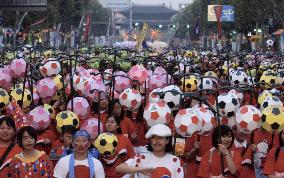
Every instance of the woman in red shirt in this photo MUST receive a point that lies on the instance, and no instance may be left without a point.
(123, 152)
(274, 164)
(30, 163)
(8, 146)
(126, 124)
(210, 165)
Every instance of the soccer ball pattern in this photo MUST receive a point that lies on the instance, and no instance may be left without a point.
(280, 79)
(207, 117)
(92, 127)
(130, 99)
(138, 73)
(39, 118)
(50, 110)
(206, 83)
(160, 71)
(153, 97)
(122, 83)
(17, 96)
(18, 68)
(269, 43)
(248, 118)
(172, 96)
(270, 101)
(46, 88)
(50, 68)
(273, 119)
(190, 83)
(66, 118)
(239, 94)
(106, 143)
(59, 84)
(157, 81)
(267, 78)
(5, 78)
(4, 99)
(81, 107)
(228, 104)
(187, 122)
(262, 96)
(107, 75)
(238, 77)
(157, 113)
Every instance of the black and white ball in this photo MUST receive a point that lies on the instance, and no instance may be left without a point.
(228, 104)
(269, 43)
(172, 96)
(238, 77)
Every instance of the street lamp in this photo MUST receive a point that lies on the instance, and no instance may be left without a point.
(187, 26)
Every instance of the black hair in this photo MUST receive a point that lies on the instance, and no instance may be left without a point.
(281, 144)
(71, 129)
(225, 130)
(117, 120)
(30, 130)
(169, 146)
(9, 121)
(111, 107)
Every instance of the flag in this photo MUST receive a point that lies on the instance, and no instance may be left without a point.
(197, 25)
(38, 22)
(20, 23)
(87, 28)
(34, 24)
(218, 13)
(142, 35)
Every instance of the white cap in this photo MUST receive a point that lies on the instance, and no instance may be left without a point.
(159, 130)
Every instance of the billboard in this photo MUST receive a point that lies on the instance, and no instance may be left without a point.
(116, 4)
(228, 13)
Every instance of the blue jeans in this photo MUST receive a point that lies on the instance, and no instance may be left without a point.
(258, 173)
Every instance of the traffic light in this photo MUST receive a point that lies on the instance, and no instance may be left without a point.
(173, 26)
(187, 26)
(160, 26)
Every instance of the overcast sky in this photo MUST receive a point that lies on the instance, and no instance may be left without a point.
(175, 3)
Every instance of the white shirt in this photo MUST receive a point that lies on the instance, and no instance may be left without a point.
(62, 167)
(240, 145)
(168, 164)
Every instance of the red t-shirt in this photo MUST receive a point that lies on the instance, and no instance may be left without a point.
(212, 166)
(4, 170)
(47, 134)
(273, 167)
(127, 126)
(123, 152)
(205, 145)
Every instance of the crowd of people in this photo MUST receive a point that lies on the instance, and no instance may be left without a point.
(143, 151)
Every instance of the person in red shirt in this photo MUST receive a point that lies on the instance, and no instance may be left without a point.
(274, 164)
(126, 124)
(30, 163)
(123, 152)
(63, 146)
(210, 165)
(103, 110)
(248, 151)
(195, 147)
(8, 146)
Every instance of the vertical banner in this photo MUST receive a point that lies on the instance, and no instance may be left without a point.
(142, 35)
(87, 28)
(282, 43)
(218, 12)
